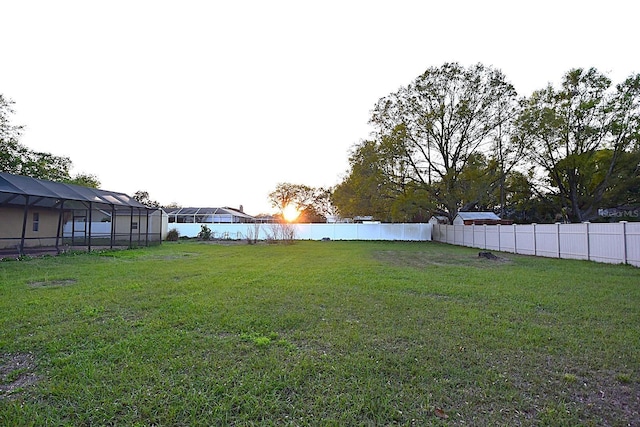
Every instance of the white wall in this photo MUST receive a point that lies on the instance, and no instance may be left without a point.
(411, 232)
(611, 243)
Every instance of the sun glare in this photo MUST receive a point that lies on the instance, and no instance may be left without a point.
(290, 213)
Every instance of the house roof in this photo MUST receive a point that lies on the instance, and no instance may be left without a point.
(15, 189)
(478, 215)
(207, 211)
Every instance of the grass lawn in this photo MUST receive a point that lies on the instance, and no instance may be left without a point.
(317, 333)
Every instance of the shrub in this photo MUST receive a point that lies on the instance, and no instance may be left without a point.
(205, 233)
(173, 235)
(253, 233)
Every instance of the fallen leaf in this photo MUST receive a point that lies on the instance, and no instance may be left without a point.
(441, 414)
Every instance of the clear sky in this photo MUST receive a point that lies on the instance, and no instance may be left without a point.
(213, 103)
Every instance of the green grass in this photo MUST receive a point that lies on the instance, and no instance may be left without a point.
(317, 333)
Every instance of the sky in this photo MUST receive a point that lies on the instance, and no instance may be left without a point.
(214, 103)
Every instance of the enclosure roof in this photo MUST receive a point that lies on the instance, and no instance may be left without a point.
(207, 211)
(477, 215)
(15, 188)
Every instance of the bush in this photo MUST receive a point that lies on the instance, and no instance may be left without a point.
(205, 233)
(173, 235)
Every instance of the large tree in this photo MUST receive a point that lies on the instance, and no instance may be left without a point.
(448, 115)
(143, 198)
(313, 203)
(11, 151)
(577, 135)
(379, 183)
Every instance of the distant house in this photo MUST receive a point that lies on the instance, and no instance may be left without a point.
(478, 218)
(224, 215)
(439, 219)
(34, 212)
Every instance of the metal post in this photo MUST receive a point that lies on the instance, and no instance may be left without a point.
(139, 226)
(146, 234)
(24, 226)
(112, 235)
(130, 228)
(60, 217)
(90, 221)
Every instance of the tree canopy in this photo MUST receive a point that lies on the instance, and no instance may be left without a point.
(312, 203)
(429, 137)
(579, 136)
(460, 138)
(143, 198)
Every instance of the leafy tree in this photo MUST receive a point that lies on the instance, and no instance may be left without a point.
(359, 191)
(47, 166)
(11, 151)
(624, 184)
(8, 132)
(143, 198)
(482, 186)
(476, 187)
(312, 203)
(320, 209)
(363, 190)
(205, 233)
(446, 116)
(625, 188)
(380, 182)
(86, 180)
(566, 131)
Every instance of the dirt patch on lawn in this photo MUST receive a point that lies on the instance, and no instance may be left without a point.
(17, 372)
(51, 283)
(423, 260)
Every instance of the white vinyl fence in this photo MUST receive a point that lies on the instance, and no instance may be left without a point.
(410, 232)
(610, 243)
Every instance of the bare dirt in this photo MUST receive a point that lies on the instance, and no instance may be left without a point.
(17, 372)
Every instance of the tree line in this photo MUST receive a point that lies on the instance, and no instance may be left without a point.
(461, 139)
(457, 139)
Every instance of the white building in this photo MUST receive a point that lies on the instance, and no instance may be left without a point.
(469, 218)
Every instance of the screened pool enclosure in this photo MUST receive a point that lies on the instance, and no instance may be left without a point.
(208, 216)
(38, 216)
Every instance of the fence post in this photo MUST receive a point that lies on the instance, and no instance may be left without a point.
(588, 243)
(515, 239)
(535, 245)
(558, 236)
(499, 240)
(484, 227)
(624, 241)
(473, 237)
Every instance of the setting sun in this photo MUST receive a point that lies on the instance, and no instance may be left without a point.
(290, 213)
